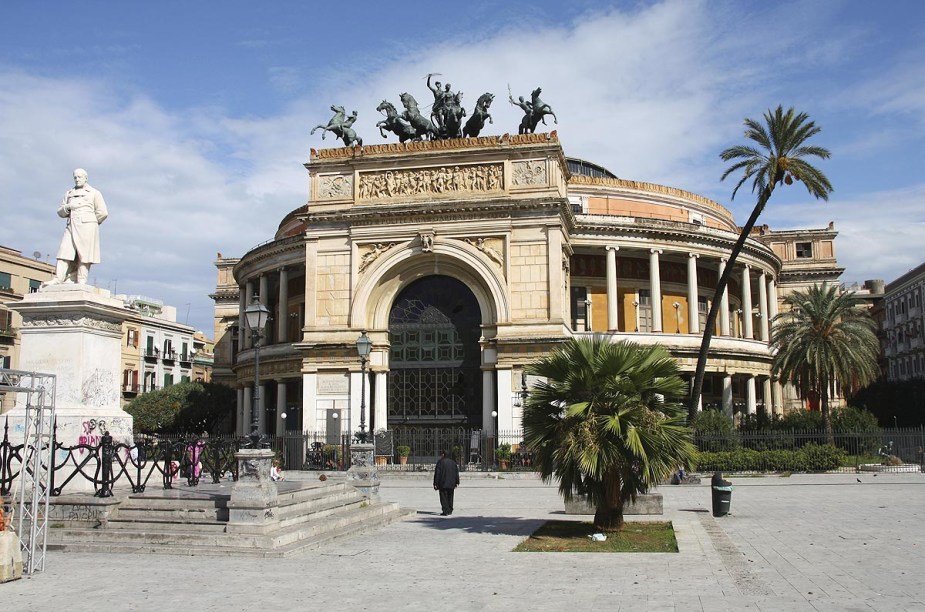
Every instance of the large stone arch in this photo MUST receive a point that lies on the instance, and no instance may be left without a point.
(395, 270)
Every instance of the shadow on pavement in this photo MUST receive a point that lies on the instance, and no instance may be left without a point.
(497, 525)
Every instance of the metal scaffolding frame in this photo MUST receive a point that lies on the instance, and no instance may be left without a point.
(34, 481)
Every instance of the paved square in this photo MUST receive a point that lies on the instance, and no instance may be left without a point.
(807, 542)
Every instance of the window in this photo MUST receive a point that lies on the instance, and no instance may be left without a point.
(804, 250)
(184, 354)
(6, 320)
(168, 380)
(580, 309)
(5, 362)
(644, 311)
(184, 379)
(131, 338)
(5, 281)
(696, 218)
(34, 285)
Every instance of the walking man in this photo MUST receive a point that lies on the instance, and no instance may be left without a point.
(446, 479)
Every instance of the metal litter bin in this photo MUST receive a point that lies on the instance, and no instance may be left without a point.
(722, 494)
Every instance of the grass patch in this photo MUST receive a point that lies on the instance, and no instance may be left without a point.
(574, 536)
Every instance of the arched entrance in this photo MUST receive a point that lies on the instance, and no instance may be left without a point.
(434, 364)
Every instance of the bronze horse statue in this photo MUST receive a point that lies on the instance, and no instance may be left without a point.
(534, 111)
(423, 127)
(340, 126)
(395, 124)
(477, 121)
(453, 113)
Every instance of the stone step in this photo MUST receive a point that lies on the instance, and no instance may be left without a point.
(284, 543)
(178, 515)
(149, 524)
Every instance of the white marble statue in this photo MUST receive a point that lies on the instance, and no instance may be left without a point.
(84, 209)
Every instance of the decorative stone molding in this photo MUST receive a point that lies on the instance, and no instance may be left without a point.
(70, 321)
(427, 241)
(478, 178)
(529, 172)
(487, 246)
(335, 187)
(449, 144)
(371, 252)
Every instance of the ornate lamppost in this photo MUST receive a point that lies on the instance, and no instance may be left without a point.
(256, 315)
(364, 347)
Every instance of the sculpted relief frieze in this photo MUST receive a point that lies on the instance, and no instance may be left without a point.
(481, 178)
(71, 321)
(491, 247)
(335, 187)
(527, 173)
(371, 252)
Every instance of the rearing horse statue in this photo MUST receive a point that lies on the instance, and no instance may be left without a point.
(395, 124)
(477, 121)
(421, 124)
(339, 125)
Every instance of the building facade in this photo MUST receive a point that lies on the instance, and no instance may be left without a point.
(19, 275)
(464, 260)
(904, 320)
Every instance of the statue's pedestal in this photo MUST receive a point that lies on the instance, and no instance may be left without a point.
(75, 332)
(362, 473)
(253, 504)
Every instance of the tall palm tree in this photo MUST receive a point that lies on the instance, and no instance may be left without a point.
(825, 341)
(778, 158)
(606, 422)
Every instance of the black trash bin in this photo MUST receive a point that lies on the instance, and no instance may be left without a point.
(722, 494)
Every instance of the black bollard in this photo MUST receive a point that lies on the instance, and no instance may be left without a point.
(106, 455)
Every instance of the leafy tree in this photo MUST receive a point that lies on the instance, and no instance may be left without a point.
(606, 422)
(184, 408)
(825, 341)
(778, 158)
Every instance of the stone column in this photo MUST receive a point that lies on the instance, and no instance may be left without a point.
(613, 304)
(693, 314)
(555, 274)
(504, 401)
(747, 303)
(382, 406)
(723, 304)
(281, 408)
(778, 402)
(282, 320)
(763, 307)
(242, 321)
(766, 392)
(655, 289)
(751, 403)
(727, 395)
(772, 302)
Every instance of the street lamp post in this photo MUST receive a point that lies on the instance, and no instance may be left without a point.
(364, 347)
(256, 315)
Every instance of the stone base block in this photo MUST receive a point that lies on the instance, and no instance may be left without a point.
(254, 504)
(10, 557)
(651, 503)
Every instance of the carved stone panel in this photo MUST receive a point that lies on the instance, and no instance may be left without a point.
(371, 252)
(528, 173)
(491, 247)
(456, 180)
(335, 187)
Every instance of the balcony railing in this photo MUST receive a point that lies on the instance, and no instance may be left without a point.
(152, 353)
(130, 389)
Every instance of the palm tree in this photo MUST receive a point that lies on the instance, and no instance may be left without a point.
(779, 158)
(606, 422)
(825, 341)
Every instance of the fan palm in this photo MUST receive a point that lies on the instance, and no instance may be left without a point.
(606, 422)
(826, 340)
(778, 158)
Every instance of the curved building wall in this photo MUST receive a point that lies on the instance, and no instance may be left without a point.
(545, 254)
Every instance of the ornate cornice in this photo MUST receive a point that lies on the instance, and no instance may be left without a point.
(451, 144)
(650, 188)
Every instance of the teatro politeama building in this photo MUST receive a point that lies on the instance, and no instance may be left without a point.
(465, 259)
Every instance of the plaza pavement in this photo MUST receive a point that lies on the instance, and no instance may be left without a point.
(805, 542)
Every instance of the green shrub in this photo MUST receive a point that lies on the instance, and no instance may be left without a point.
(810, 458)
(713, 431)
(822, 457)
(801, 420)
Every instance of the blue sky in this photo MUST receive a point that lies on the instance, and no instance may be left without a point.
(193, 118)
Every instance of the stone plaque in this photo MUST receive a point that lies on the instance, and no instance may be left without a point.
(333, 384)
(335, 187)
(530, 172)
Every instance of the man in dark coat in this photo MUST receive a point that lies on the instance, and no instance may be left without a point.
(446, 479)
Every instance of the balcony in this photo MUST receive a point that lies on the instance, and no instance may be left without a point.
(170, 356)
(152, 354)
(186, 359)
(130, 390)
(7, 335)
